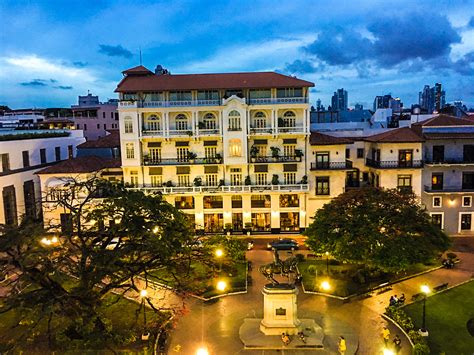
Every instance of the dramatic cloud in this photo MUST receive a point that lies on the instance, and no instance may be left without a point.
(35, 83)
(301, 67)
(115, 51)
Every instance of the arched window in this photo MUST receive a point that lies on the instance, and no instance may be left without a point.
(181, 122)
(153, 123)
(235, 148)
(289, 119)
(234, 121)
(128, 124)
(259, 120)
(210, 121)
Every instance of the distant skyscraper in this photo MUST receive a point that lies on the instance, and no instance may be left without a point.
(382, 101)
(318, 105)
(358, 107)
(432, 99)
(339, 100)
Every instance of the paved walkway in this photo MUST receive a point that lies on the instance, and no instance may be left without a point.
(216, 325)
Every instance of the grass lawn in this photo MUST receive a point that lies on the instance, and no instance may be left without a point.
(446, 318)
(345, 279)
(203, 281)
(124, 321)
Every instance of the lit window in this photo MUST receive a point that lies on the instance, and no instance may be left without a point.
(437, 201)
(467, 201)
(235, 148)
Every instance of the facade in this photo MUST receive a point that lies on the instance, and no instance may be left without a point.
(228, 149)
(432, 99)
(339, 100)
(22, 154)
(93, 117)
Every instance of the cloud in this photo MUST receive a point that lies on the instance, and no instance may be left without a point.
(302, 67)
(471, 22)
(465, 65)
(62, 87)
(115, 51)
(79, 64)
(35, 83)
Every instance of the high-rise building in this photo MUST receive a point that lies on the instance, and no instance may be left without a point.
(382, 101)
(339, 100)
(432, 98)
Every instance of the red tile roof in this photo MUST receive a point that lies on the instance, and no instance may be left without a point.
(111, 140)
(443, 121)
(138, 70)
(399, 135)
(256, 80)
(449, 135)
(318, 138)
(81, 165)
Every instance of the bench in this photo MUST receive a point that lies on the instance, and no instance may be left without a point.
(441, 287)
(384, 288)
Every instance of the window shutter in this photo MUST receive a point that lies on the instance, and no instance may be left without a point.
(156, 171)
(180, 170)
(290, 167)
(260, 141)
(210, 143)
(213, 169)
(154, 144)
(289, 141)
(261, 168)
(182, 144)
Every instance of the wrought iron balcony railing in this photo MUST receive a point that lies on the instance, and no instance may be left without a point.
(331, 165)
(394, 164)
(175, 161)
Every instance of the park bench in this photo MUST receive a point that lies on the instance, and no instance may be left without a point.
(441, 287)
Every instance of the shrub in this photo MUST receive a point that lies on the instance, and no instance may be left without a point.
(421, 349)
(299, 257)
(312, 269)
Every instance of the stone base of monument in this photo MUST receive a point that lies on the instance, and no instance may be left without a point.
(253, 338)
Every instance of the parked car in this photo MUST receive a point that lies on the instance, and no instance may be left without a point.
(283, 244)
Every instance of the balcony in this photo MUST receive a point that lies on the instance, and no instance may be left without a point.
(331, 165)
(394, 164)
(295, 129)
(174, 161)
(279, 100)
(261, 131)
(232, 189)
(270, 159)
(158, 104)
(449, 161)
(151, 132)
(447, 189)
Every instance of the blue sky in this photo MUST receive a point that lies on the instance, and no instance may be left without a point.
(52, 51)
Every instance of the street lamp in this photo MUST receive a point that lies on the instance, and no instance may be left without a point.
(202, 351)
(219, 254)
(327, 263)
(143, 295)
(425, 289)
(221, 285)
(325, 285)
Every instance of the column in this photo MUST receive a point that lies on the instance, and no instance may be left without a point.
(246, 208)
(275, 213)
(227, 208)
(199, 211)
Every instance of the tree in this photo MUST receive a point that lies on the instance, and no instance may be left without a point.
(387, 229)
(113, 237)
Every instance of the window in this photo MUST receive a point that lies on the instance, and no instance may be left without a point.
(404, 182)
(152, 123)
(129, 151)
(260, 93)
(235, 176)
(438, 153)
(70, 153)
(213, 202)
(467, 201)
(260, 201)
(26, 158)
(180, 96)
(261, 178)
(181, 122)
(5, 162)
(134, 178)
(210, 121)
(238, 93)
(9, 205)
(289, 150)
(111, 115)
(235, 148)
(405, 158)
(57, 153)
(128, 125)
(103, 114)
(289, 200)
(261, 150)
(468, 181)
(466, 221)
(234, 121)
(290, 92)
(98, 125)
(156, 180)
(437, 181)
(129, 96)
(30, 200)
(360, 153)
(348, 153)
(210, 152)
(289, 178)
(259, 120)
(468, 153)
(289, 120)
(211, 179)
(105, 126)
(208, 95)
(154, 154)
(322, 185)
(437, 201)
(236, 201)
(437, 219)
(184, 202)
(322, 160)
(182, 154)
(43, 156)
(66, 223)
(156, 96)
(85, 127)
(183, 180)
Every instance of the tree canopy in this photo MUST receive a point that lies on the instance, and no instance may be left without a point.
(382, 228)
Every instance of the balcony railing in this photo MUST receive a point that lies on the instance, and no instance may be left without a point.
(271, 159)
(295, 129)
(449, 161)
(151, 132)
(224, 189)
(448, 189)
(279, 130)
(331, 165)
(208, 132)
(174, 161)
(394, 164)
(264, 130)
(279, 100)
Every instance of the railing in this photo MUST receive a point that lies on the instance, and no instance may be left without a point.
(208, 131)
(279, 100)
(150, 132)
(175, 161)
(394, 164)
(448, 189)
(449, 161)
(264, 130)
(180, 132)
(331, 165)
(223, 189)
(271, 159)
(295, 129)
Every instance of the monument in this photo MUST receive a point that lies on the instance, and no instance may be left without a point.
(280, 313)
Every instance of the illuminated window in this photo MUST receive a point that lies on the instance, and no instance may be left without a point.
(235, 148)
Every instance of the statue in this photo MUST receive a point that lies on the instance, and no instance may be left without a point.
(278, 266)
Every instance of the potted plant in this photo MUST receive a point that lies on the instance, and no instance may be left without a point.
(189, 133)
(221, 182)
(218, 158)
(191, 157)
(275, 152)
(298, 154)
(228, 228)
(275, 180)
(247, 180)
(304, 180)
(169, 183)
(248, 227)
(197, 181)
(201, 125)
(253, 153)
(281, 122)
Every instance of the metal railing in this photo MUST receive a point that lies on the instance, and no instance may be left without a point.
(394, 164)
(279, 100)
(449, 161)
(331, 165)
(271, 159)
(223, 189)
(175, 161)
(448, 189)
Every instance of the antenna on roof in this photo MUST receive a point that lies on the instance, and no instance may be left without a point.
(140, 55)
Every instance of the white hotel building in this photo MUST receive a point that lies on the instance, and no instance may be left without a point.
(228, 149)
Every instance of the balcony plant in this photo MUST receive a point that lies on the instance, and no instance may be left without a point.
(275, 152)
(298, 154)
(248, 227)
(221, 182)
(201, 125)
(218, 158)
(191, 157)
(247, 180)
(169, 183)
(304, 180)
(197, 181)
(253, 153)
(228, 228)
(189, 133)
(281, 122)
(275, 180)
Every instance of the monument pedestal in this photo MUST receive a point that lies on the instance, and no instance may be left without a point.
(280, 314)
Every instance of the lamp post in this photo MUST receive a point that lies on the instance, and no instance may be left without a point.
(219, 254)
(425, 289)
(327, 263)
(221, 285)
(143, 295)
(325, 285)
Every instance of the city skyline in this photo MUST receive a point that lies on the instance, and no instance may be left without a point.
(53, 51)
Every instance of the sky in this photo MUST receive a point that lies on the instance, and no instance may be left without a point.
(53, 51)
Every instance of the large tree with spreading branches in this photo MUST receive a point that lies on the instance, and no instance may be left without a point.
(386, 229)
